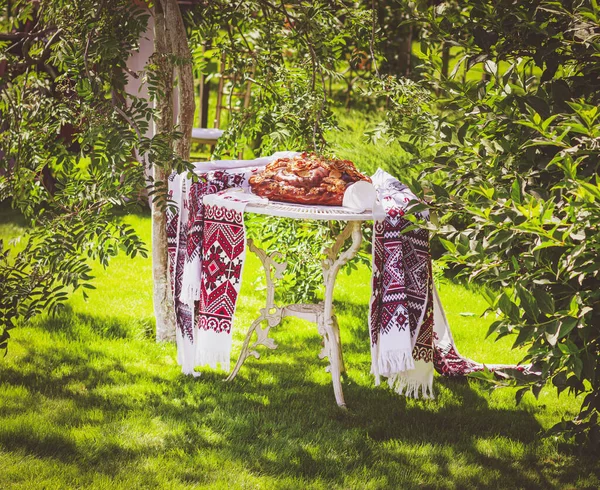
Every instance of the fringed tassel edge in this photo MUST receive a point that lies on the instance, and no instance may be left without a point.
(189, 294)
(390, 363)
(212, 358)
(411, 387)
(185, 354)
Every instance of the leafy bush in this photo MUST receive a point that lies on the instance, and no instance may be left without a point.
(287, 51)
(69, 137)
(512, 162)
(302, 244)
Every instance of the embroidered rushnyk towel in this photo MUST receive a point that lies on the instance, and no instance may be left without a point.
(223, 255)
(185, 234)
(401, 306)
(185, 239)
(410, 335)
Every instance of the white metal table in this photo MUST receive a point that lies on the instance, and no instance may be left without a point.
(321, 313)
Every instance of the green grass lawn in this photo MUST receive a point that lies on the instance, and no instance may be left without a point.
(89, 400)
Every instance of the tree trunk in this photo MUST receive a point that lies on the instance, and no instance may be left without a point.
(164, 310)
(170, 40)
(184, 75)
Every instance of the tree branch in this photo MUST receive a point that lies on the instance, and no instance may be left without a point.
(372, 41)
(18, 36)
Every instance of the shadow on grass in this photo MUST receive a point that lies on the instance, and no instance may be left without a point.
(79, 325)
(277, 418)
(9, 216)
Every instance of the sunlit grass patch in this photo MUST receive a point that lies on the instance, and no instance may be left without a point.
(89, 400)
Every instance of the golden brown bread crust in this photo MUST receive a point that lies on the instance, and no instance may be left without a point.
(306, 179)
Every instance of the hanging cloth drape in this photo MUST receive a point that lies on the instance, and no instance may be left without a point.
(401, 307)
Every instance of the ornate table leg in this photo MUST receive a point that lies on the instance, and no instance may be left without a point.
(272, 314)
(328, 326)
(321, 314)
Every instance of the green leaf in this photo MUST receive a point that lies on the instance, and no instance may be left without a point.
(489, 295)
(564, 349)
(551, 333)
(520, 393)
(525, 334)
(515, 192)
(539, 105)
(547, 244)
(528, 303)
(508, 307)
(560, 380)
(492, 328)
(491, 67)
(566, 325)
(574, 306)
(448, 245)
(544, 300)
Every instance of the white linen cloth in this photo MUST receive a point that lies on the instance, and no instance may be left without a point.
(360, 196)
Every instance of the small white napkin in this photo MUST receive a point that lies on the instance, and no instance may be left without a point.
(360, 196)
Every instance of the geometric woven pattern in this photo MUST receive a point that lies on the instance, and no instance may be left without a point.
(207, 184)
(402, 282)
(448, 362)
(186, 231)
(222, 260)
(452, 364)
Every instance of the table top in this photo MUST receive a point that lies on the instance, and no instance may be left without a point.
(299, 211)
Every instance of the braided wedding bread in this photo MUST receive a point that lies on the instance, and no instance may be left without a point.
(306, 179)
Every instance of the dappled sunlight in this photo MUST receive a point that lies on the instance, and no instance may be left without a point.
(92, 396)
(116, 123)
(117, 406)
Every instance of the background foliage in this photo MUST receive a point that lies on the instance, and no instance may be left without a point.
(66, 146)
(512, 168)
(290, 52)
